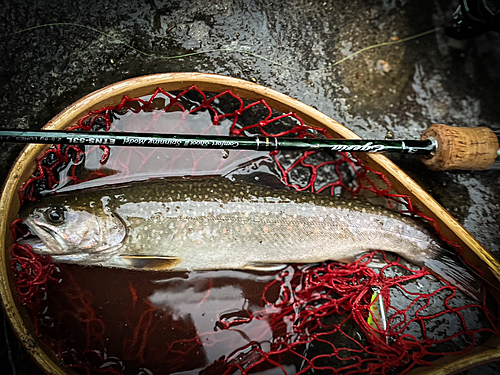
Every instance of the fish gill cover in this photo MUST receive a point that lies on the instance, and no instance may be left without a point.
(321, 318)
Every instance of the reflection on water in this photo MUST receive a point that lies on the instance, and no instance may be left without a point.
(165, 322)
(226, 321)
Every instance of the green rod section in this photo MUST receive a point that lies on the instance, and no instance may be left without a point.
(260, 143)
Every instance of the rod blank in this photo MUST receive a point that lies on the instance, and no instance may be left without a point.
(262, 143)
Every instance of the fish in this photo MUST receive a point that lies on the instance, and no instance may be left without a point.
(215, 223)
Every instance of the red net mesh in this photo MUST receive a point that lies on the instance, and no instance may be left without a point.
(326, 318)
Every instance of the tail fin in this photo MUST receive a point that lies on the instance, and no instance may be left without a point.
(449, 267)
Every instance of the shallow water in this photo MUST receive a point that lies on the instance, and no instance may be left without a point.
(162, 322)
(213, 321)
(127, 164)
(434, 79)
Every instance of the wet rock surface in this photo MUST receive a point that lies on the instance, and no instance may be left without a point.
(432, 79)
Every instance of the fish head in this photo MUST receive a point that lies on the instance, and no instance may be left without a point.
(71, 231)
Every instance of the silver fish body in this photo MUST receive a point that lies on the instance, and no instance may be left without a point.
(217, 224)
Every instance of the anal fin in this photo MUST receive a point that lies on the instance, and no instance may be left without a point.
(264, 267)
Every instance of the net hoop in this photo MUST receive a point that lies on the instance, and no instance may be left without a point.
(111, 95)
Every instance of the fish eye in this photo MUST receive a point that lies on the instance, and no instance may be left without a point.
(55, 215)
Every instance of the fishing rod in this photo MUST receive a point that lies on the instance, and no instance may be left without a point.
(429, 146)
(260, 143)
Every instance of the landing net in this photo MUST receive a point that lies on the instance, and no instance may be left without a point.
(325, 318)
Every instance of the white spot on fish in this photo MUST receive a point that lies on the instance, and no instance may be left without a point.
(105, 208)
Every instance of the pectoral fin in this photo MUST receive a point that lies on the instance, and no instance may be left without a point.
(151, 262)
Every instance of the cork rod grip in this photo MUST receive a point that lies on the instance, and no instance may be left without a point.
(461, 148)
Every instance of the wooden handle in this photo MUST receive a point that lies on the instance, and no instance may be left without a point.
(461, 148)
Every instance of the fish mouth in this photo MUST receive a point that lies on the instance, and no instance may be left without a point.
(35, 243)
(43, 239)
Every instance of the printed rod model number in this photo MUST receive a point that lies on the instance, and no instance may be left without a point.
(96, 141)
